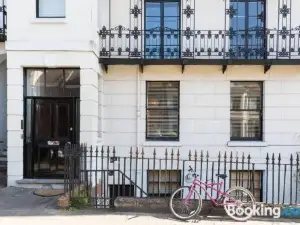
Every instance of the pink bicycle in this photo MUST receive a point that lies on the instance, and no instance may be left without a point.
(189, 202)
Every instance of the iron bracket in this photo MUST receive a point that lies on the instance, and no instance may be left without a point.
(224, 68)
(267, 68)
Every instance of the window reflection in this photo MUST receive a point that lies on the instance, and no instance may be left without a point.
(53, 82)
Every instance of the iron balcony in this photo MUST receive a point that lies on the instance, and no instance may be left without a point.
(213, 47)
(3, 25)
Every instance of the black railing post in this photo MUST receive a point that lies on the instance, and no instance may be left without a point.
(279, 159)
(142, 185)
(297, 177)
(102, 174)
(225, 158)
(230, 169)
(166, 172)
(243, 161)
(291, 179)
(130, 170)
(206, 177)
(267, 176)
(154, 172)
(113, 162)
(201, 164)
(96, 181)
(273, 177)
(136, 168)
(219, 161)
(284, 181)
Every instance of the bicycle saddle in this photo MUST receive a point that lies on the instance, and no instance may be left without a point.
(222, 176)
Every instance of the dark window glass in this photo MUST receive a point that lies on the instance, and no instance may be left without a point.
(246, 110)
(162, 110)
(163, 182)
(53, 82)
(247, 29)
(162, 27)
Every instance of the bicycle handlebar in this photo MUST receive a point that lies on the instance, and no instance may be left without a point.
(191, 170)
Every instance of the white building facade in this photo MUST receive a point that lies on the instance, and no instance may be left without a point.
(223, 75)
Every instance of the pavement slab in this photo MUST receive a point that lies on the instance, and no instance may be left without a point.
(21, 206)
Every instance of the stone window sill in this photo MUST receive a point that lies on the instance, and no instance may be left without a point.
(247, 144)
(162, 144)
(49, 20)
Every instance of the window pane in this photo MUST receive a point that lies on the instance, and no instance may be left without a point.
(162, 123)
(162, 110)
(246, 95)
(163, 95)
(35, 83)
(54, 82)
(245, 125)
(72, 82)
(51, 8)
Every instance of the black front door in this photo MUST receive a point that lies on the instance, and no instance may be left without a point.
(53, 125)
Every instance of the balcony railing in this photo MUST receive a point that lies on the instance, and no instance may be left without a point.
(168, 44)
(3, 23)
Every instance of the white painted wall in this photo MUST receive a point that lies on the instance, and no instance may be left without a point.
(205, 107)
(78, 31)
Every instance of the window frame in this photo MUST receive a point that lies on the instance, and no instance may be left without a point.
(48, 17)
(178, 117)
(261, 111)
(159, 182)
(246, 46)
(162, 45)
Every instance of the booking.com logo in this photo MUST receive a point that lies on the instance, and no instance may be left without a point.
(290, 211)
(261, 210)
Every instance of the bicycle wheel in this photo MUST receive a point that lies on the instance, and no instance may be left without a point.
(185, 209)
(239, 209)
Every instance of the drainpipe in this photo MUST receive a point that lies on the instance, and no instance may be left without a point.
(138, 107)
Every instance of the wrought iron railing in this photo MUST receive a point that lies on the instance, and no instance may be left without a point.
(101, 175)
(120, 42)
(3, 23)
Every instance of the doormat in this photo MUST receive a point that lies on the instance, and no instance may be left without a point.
(48, 193)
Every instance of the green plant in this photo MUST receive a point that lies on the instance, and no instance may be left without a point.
(80, 199)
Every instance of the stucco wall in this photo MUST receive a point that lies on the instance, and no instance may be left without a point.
(16, 62)
(204, 108)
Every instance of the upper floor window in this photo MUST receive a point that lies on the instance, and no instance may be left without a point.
(50, 8)
(162, 28)
(162, 110)
(246, 111)
(247, 25)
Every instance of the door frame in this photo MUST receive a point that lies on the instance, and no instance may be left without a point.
(75, 133)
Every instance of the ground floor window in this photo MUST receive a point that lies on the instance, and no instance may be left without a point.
(162, 120)
(246, 110)
(251, 180)
(163, 182)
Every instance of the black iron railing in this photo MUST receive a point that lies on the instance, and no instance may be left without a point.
(101, 175)
(120, 42)
(3, 23)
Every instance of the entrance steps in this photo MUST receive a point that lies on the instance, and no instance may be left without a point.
(47, 184)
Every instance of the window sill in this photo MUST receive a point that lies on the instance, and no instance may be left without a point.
(49, 20)
(161, 144)
(247, 144)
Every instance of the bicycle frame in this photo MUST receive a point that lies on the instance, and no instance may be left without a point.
(205, 186)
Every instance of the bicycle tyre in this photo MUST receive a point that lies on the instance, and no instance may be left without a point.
(248, 193)
(197, 211)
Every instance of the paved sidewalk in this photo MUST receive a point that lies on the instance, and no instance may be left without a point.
(20, 206)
